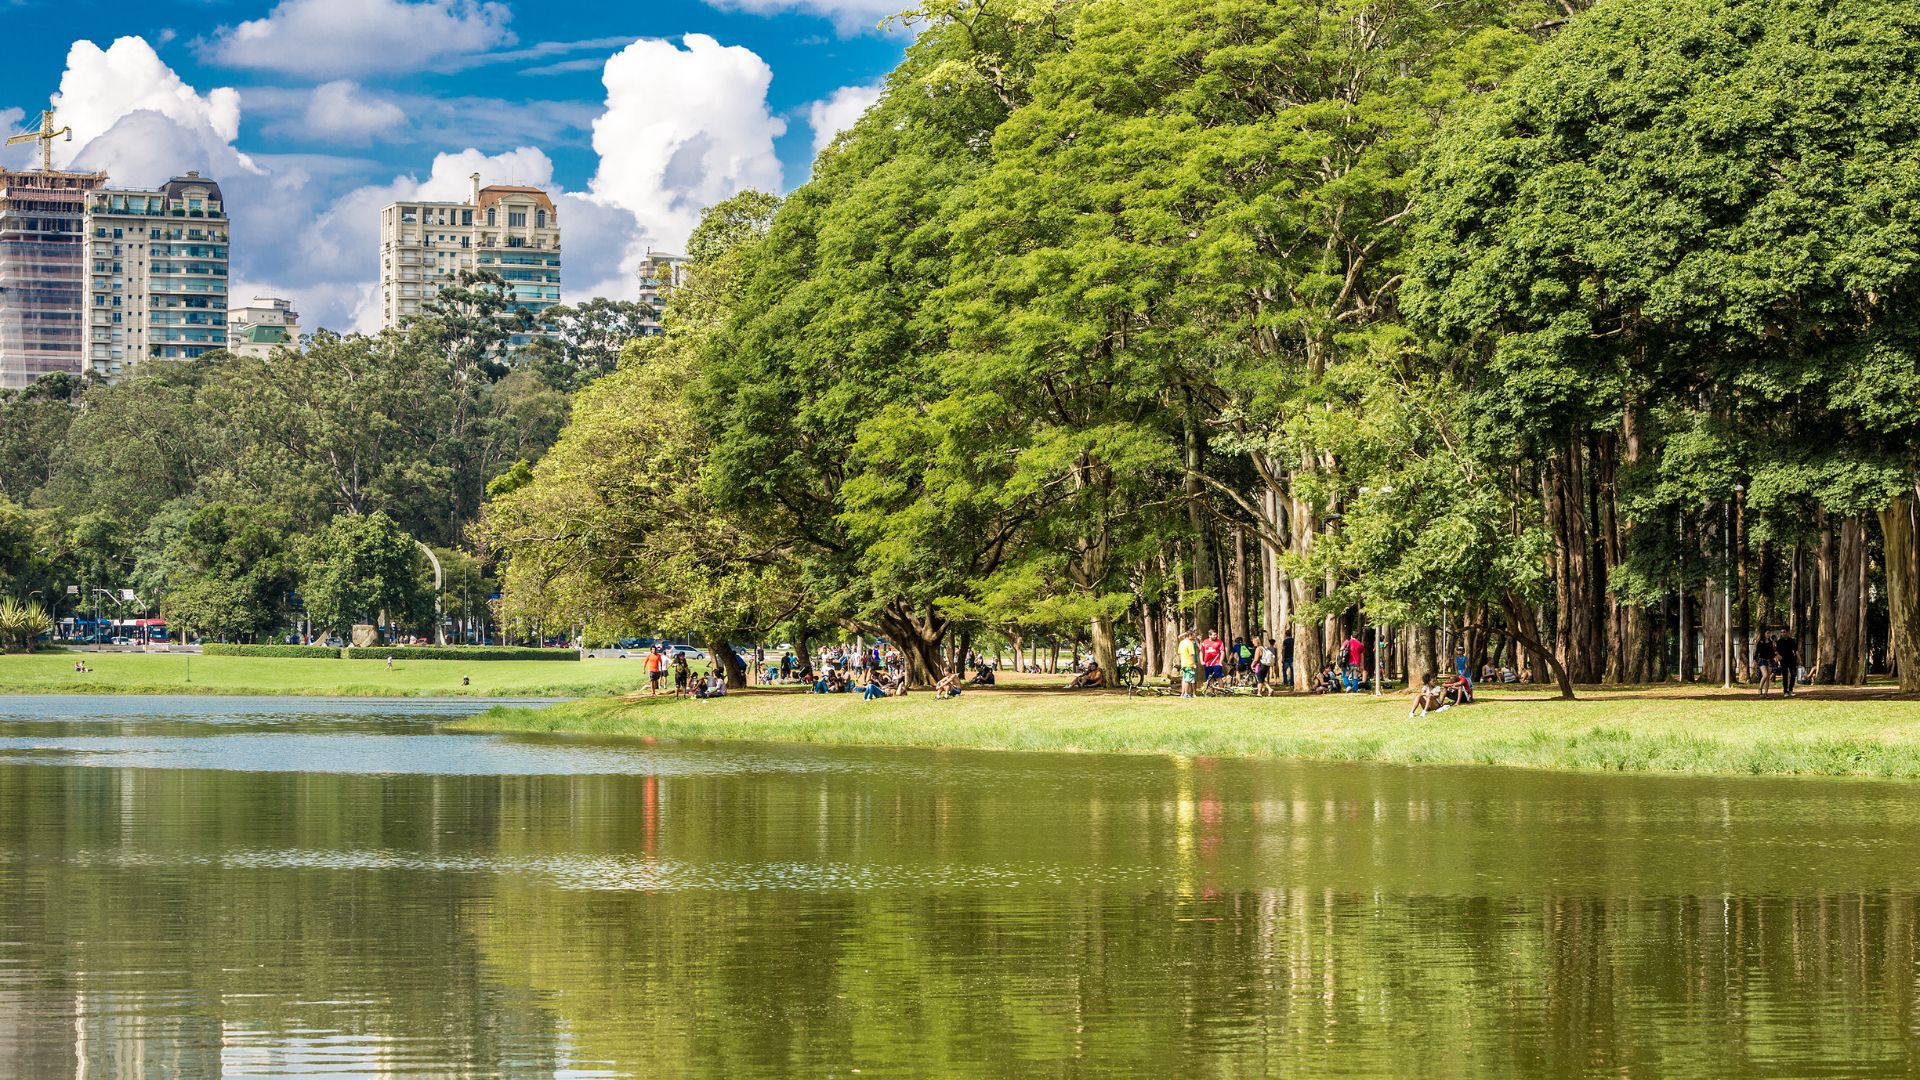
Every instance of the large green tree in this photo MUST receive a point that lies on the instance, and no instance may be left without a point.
(1688, 230)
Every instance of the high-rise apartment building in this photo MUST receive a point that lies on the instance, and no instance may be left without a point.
(660, 274)
(262, 326)
(156, 274)
(503, 229)
(42, 225)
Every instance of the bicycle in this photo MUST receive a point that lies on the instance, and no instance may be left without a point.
(1138, 686)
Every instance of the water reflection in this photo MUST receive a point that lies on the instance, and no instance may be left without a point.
(729, 912)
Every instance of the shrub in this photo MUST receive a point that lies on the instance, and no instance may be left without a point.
(459, 652)
(316, 652)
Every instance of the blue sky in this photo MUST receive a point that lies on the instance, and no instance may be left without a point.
(313, 113)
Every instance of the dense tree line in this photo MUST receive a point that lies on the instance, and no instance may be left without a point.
(246, 497)
(1576, 340)
(1559, 336)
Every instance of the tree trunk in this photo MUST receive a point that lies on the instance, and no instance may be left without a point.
(1419, 653)
(1520, 624)
(1824, 612)
(1204, 575)
(1743, 630)
(1308, 650)
(1578, 640)
(1273, 585)
(1849, 588)
(919, 639)
(1237, 587)
(1102, 632)
(731, 665)
(1899, 527)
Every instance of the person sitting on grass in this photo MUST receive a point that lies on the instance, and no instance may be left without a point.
(1086, 679)
(1425, 699)
(1457, 691)
(983, 676)
(711, 686)
(874, 687)
(948, 686)
(1327, 682)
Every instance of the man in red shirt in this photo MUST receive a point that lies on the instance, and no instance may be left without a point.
(1213, 654)
(1356, 662)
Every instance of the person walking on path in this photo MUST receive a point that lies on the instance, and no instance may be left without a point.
(1764, 657)
(1786, 657)
(1189, 663)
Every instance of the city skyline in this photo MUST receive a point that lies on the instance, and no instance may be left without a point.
(390, 100)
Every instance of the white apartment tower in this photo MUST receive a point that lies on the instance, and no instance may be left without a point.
(155, 267)
(503, 229)
(659, 274)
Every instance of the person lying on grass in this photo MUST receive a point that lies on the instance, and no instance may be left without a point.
(1086, 679)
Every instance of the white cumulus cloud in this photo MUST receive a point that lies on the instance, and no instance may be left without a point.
(849, 16)
(343, 112)
(684, 128)
(324, 38)
(837, 111)
(100, 86)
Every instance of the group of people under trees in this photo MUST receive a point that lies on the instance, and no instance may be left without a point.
(678, 677)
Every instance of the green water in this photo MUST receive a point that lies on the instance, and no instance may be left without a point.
(198, 888)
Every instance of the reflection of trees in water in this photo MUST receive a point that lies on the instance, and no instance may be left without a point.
(126, 904)
(1140, 919)
(1205, 977)
(1254, 983)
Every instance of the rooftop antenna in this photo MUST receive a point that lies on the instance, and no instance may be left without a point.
(44, 137)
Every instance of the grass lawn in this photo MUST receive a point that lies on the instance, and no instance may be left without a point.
(185, 673)
(1833, 732)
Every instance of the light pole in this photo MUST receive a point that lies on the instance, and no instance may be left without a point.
(96, 616)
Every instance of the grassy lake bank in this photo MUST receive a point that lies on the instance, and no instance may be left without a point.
(189, 673)
(1824, 732)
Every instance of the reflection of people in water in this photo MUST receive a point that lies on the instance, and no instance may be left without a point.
(1086, 679)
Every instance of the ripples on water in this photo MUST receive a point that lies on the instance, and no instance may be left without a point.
(205, 887)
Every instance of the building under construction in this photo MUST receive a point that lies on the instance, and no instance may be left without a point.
(42, 272)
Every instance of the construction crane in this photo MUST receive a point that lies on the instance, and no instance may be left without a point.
(44, 137)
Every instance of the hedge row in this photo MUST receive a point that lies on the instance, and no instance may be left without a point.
(317, 652)
(398, 652)
(460, 652)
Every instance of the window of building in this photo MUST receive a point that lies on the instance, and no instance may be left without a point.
(540, 217)
(516, 219)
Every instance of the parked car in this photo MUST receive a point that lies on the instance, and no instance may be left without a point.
(687, 651)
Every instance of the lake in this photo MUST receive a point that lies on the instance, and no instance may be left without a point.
(198, 887)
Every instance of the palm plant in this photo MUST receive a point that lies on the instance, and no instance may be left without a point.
(20, 623)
